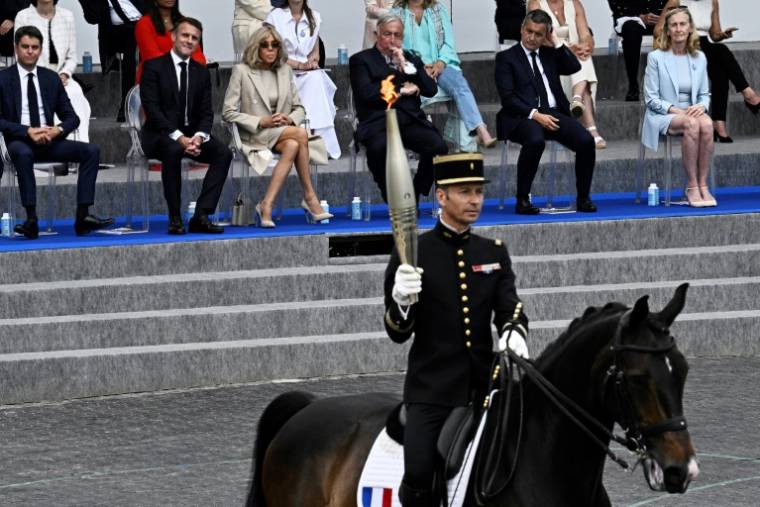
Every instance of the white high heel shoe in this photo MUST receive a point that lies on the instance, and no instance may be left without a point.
(260, 221)
(312, 218)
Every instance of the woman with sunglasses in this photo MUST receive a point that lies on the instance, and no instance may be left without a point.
(263, 102)
(299, 25)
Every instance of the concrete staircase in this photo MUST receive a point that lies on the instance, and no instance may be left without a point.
(100, 321)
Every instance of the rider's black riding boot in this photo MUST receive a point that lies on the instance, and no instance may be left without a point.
(411, 497)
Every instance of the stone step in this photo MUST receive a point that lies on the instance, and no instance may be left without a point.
(580, 244)
(199, 323)
(66, 374)
(735, 165)
(542, 280)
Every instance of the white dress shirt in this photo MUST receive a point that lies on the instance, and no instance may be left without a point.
(549, 94)
(130, 10)
(177, 60)
(22, 74)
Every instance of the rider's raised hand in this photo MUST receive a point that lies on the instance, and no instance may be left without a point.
(408, 281)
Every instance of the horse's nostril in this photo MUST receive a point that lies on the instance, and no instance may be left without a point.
(675, 479)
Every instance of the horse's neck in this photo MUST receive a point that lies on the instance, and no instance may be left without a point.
(557, 458)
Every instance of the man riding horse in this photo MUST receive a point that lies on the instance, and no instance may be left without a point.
(468, 283)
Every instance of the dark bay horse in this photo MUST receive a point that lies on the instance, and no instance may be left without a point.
(619, 364)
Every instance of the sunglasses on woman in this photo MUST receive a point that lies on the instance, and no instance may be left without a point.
(270, 45)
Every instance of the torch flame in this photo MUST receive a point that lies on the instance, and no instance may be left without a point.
(388, 91)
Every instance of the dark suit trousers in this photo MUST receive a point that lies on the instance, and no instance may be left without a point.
(121, 39)
(571, 134)
(632, 34)
(722, 67)
(420, 138)
(25, 153)
(170, 153)
(421, 459)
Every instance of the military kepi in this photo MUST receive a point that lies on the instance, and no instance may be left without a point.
(459, 168)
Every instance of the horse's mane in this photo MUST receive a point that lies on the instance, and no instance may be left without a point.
(591, 316)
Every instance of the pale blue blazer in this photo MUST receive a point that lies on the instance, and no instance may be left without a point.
(661, 91)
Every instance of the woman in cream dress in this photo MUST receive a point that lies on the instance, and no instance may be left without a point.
(569, 21)
(249, 15)
(298, 25)
(375, 9)
(263, 102)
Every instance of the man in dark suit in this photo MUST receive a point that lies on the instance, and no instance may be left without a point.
(534, 108)
(368, 69)
(464, 283)
(116, 21)
(29, 97)
(8, 11)
(176, 96)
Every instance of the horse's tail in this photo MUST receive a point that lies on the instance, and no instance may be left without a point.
(277, 413)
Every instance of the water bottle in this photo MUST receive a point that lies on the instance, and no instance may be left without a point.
(653, 195)
(87, 62)
(612, 44)
(342, 55)
(356, 209)
(190, 211)
(6, 225)
(325, 207)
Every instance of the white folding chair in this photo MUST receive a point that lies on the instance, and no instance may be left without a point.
(51, 201)
(551, 168)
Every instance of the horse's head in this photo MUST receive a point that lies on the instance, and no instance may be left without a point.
(644, 389)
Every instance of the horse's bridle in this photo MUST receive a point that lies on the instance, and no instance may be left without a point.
(634, 438)
(635, 434)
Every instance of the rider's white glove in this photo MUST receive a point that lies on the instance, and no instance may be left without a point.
(514, 338)
(408, 281)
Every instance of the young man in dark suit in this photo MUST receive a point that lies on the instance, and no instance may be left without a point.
(368, 69)
(116, 21)
(176, 96)
(534, 108)
(29, 97)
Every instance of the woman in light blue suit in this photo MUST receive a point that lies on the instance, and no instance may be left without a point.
(677, 95)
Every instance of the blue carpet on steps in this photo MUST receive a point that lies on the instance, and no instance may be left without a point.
(618, 206)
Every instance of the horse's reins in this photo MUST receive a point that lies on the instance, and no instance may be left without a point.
(634, 436)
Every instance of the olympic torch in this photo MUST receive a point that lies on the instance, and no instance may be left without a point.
(402, 204)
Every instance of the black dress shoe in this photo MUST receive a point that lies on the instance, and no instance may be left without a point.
(90, 223)
(524, 207)
(632, 95)
(585, 205)
(201, 223)
(176, 226)
(29, 229)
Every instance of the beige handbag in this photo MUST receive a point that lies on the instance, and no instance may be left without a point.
(317, 150)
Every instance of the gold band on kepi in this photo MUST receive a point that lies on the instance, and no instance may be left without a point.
(459, 168)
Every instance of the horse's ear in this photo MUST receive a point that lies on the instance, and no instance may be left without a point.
(674, 307)
(639, 312)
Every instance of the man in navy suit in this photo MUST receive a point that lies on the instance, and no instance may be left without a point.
(29, 97)
(176, 96)
(534, 108)
(368, 69)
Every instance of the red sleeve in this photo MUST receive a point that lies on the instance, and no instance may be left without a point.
(147, 39)
(199, 57)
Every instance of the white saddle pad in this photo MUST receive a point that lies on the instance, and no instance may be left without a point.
(384, 468)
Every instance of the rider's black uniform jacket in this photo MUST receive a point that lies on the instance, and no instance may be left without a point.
(467, 279)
